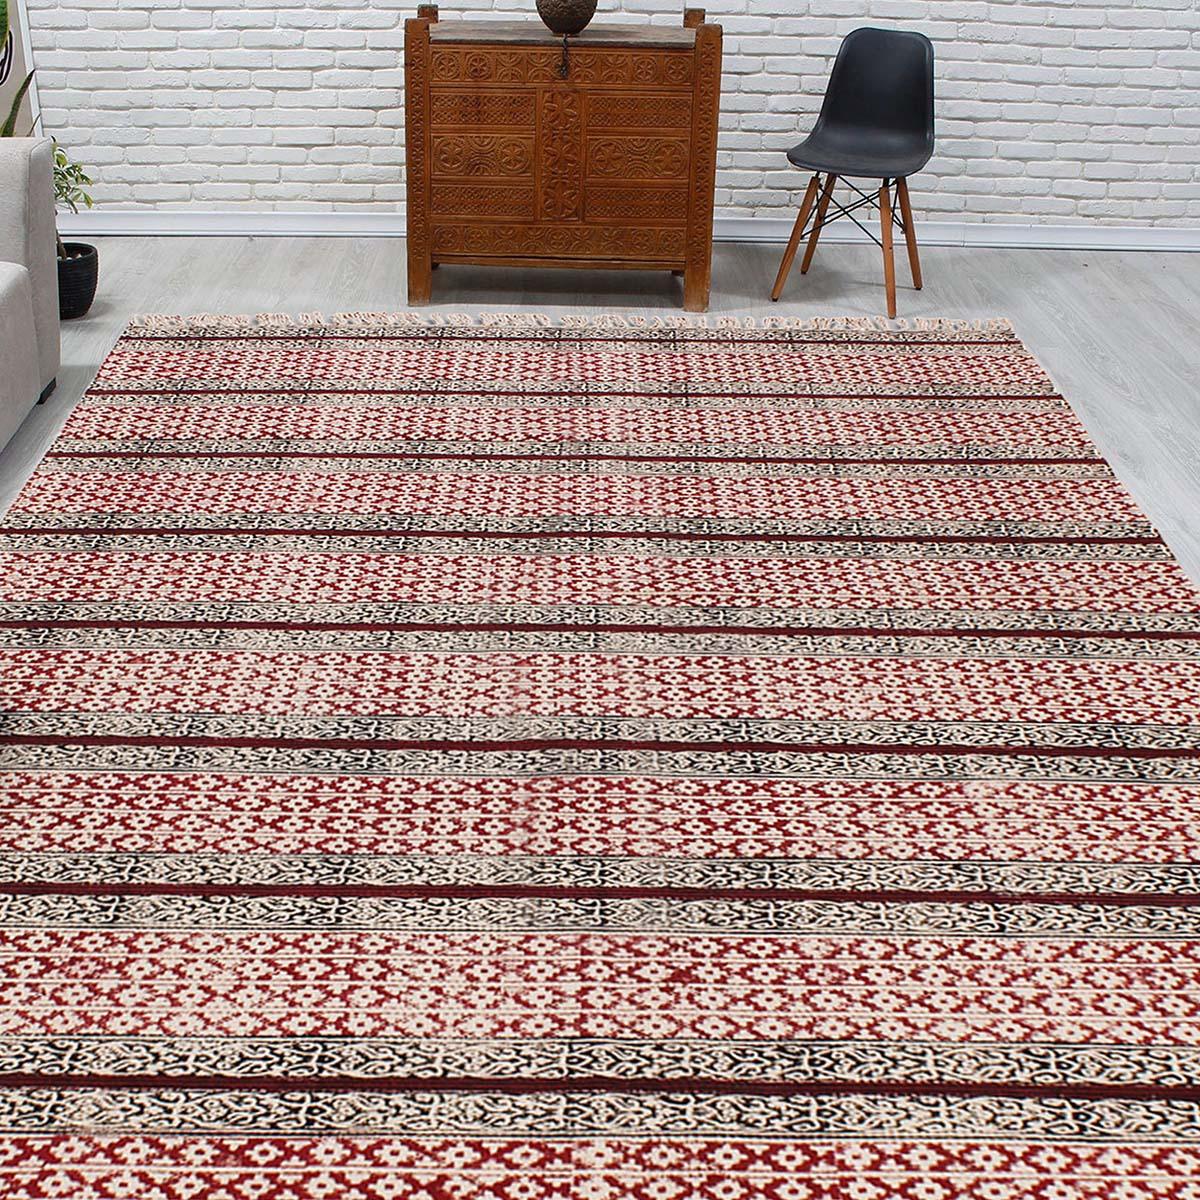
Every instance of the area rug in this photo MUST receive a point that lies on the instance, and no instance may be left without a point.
(515, 760)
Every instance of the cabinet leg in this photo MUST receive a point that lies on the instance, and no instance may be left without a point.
(420, 281)
(695, 289)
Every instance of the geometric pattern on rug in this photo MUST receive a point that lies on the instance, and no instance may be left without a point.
(516, 760)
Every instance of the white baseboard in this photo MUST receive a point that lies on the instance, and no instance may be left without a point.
(979, 233)
(327, 223)
(142, 222)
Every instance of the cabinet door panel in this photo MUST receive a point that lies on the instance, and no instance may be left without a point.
(610, 156)
(639, 111)
(622, 202)
(482, 155)
(624, 68)
(560, 154)
(483, 201)
(603, 67)
(562, 240)
(466, 64)
(497, 110)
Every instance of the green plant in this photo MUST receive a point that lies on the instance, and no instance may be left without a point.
(71, 185)
(9, 128)
(70, 182)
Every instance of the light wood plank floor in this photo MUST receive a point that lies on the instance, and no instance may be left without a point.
(1117, 331)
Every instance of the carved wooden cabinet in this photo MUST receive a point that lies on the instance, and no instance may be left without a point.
(525, 151)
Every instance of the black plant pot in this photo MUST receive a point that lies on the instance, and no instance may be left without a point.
(78, 274)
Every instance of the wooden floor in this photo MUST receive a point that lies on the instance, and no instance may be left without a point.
(1117, 331)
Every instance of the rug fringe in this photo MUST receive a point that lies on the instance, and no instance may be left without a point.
(315, 322)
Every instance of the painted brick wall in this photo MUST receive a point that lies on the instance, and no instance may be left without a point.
(1057, 111)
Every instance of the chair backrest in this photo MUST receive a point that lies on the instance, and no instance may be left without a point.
(882, 79)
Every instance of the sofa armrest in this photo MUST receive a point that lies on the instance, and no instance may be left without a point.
(19, 384)
(27, 234)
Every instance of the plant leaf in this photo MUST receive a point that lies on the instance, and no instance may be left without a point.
(3, 21)
(70, 181)
(6, 130)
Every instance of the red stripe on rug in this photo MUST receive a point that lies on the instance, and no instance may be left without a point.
(590, 534)
(504, 891)
(593, 1083)
(560, 394)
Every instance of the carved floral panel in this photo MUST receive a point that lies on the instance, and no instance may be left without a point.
(482, 154)
(638, 157)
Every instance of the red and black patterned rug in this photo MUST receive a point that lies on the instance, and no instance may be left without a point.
(519, 760)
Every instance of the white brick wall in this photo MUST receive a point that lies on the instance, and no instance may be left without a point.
(1057, 111)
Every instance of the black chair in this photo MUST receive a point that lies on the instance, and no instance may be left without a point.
(876, 122)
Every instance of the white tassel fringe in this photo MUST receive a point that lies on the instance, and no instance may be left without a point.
(349, 322)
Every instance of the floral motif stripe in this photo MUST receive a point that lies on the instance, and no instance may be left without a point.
(738, 878)
(244, 1060)
(566, 1115)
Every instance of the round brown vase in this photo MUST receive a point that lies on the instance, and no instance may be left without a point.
(566, 16)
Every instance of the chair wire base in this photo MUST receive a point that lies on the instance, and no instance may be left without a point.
(868, 199)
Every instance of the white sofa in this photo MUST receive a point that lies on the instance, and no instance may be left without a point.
(29, 346)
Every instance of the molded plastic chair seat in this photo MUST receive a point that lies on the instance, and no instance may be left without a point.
(874, 153)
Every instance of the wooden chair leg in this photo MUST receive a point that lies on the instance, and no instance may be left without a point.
(822, 209)
(794, 241)
(910, 233)
(889, 264)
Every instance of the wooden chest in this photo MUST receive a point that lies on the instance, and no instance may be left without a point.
(524, 151)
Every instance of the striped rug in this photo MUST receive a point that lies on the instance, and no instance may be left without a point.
(513, 760)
